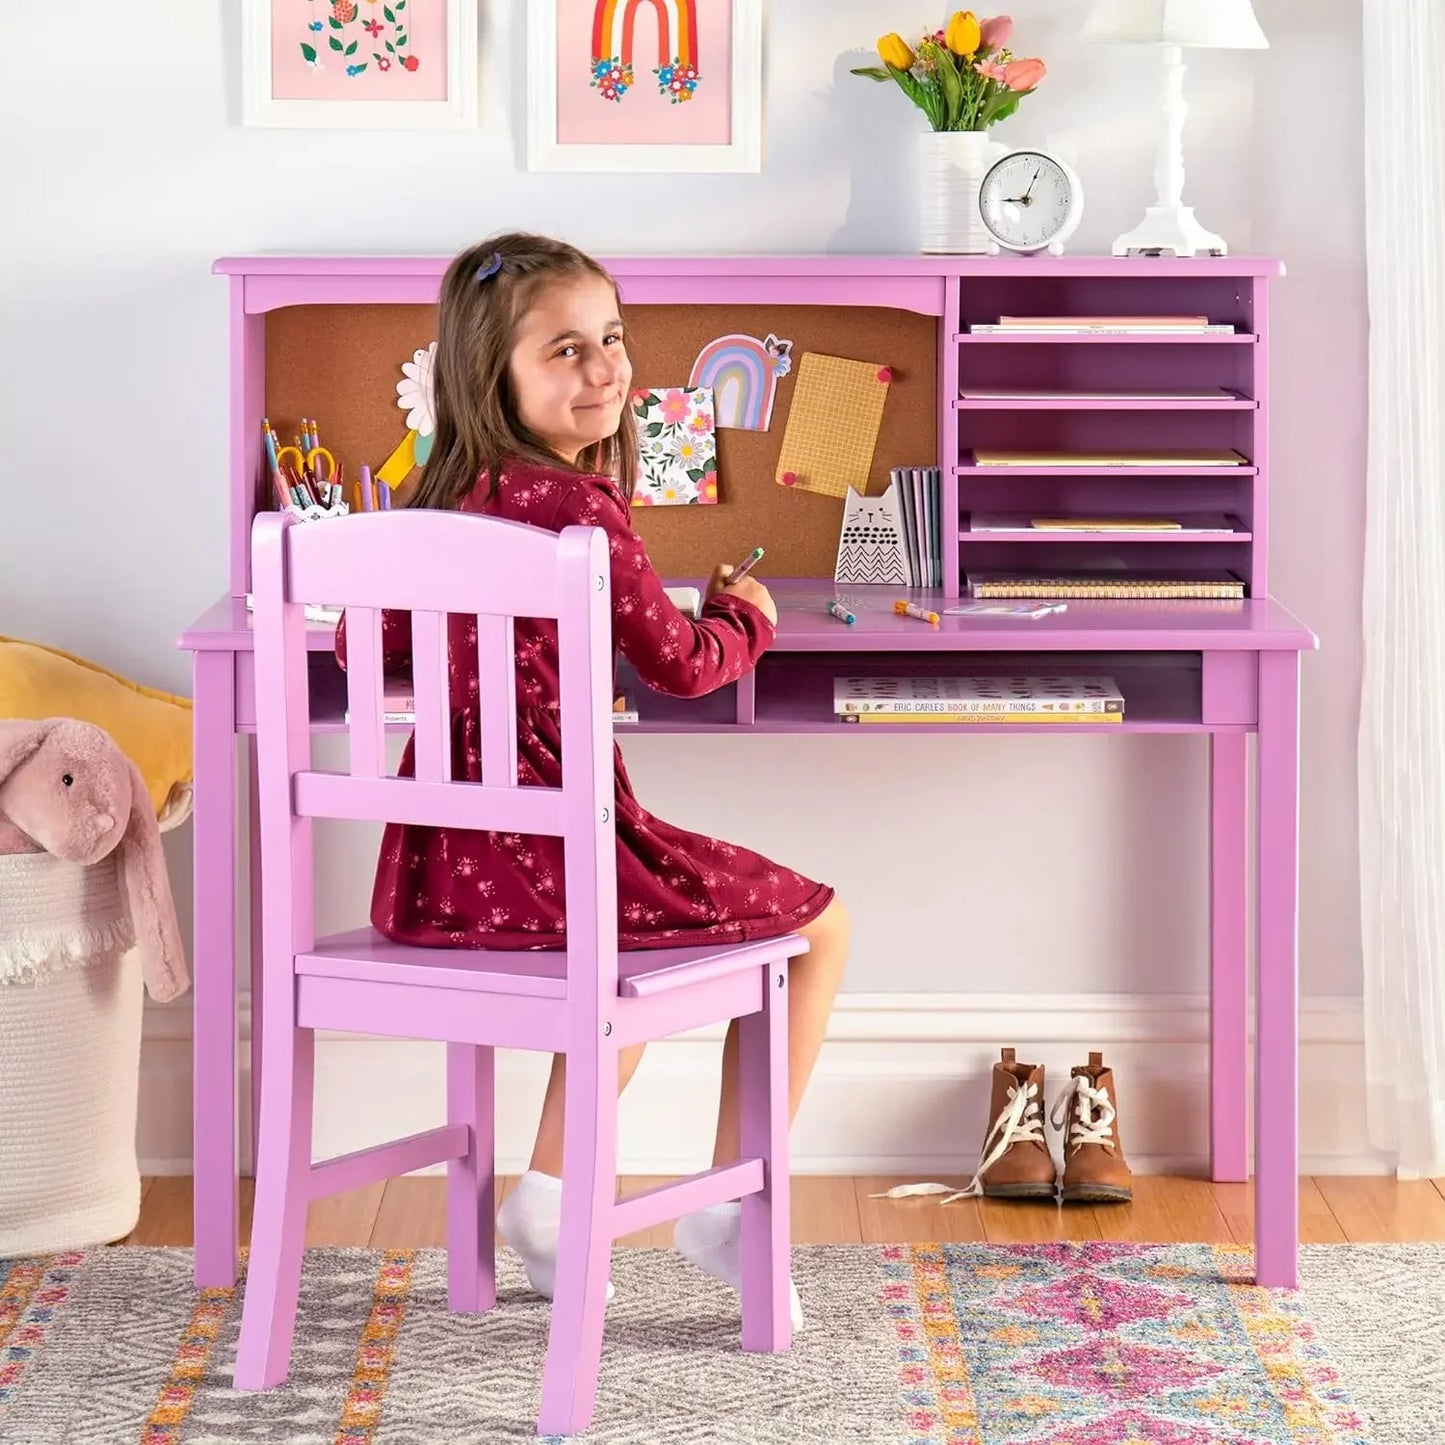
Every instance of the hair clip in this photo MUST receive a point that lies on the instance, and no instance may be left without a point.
(489, 268)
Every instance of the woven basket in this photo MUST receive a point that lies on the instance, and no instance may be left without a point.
(70, 1032)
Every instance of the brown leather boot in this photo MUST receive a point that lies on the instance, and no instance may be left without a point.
(1094, 1166)
(1015, 1162)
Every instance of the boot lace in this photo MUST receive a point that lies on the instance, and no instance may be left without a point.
(1093, 1121)
(1021, 1120)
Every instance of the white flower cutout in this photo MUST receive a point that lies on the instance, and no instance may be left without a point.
(414, 392)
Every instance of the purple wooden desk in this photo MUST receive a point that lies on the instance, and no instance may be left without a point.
(1219, 668)
(1224, 669)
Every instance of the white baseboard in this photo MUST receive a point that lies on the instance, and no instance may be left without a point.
(901, 1086)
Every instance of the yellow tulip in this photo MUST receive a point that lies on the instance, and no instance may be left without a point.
(895, 52)
(963, 33)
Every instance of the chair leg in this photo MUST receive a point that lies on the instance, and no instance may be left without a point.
(471, 1180)
(584, 1249)
(763, 1133)
(278, 1231)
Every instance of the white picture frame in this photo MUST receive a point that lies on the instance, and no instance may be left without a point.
(457, 111)
(743, 152)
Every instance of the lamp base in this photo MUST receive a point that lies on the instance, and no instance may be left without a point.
(1169, 231)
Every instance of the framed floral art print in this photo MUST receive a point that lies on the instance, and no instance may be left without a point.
(359, 64)
(644, 85)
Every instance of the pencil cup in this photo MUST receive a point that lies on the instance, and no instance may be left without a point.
(315, 513)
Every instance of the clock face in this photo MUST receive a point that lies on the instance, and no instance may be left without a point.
(1026, 200)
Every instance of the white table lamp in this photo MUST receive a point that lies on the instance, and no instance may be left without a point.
(1169, 227)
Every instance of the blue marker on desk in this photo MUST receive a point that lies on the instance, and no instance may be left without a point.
(836, 609)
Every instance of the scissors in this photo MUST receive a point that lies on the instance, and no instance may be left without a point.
(309, 463)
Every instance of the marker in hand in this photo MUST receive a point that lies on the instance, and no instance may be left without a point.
(745, 566)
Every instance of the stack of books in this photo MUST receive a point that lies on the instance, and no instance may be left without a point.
(1008, 698)
(918, 491)
(1100, 326)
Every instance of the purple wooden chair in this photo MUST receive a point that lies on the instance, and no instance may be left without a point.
(587, 1002)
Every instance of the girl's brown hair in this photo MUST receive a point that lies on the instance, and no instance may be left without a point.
(487, 289)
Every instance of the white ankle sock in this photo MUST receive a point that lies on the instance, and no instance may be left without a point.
(711, 1239)
(530, 1219)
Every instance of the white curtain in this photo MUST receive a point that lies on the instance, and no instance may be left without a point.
(1402, 705)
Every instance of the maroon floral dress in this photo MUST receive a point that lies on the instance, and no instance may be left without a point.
(460, 888)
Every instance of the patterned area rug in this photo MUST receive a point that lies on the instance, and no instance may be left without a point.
(1056, 1344)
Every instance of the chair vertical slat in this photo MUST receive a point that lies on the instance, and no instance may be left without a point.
(363, 692)
(431, 694)
(497, 699)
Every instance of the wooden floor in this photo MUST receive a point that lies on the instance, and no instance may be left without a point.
(409, 1213)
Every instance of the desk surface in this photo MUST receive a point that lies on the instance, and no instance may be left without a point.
(1255, 625)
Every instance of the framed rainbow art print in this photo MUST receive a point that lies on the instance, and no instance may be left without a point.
(644, 85)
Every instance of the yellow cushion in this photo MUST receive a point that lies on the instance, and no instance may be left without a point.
(152, 728)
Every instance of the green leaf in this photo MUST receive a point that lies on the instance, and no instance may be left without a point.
(389, 13)
(351, 49)
(697, 473)
(951, 88)
(654, 429)
(401, 4)
(389, 46)
(334, 22)
(309, 51)
(873, 72)
(400, 38)
(360, 67)
(336, 44)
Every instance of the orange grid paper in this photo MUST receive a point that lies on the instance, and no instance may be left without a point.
(833, 425)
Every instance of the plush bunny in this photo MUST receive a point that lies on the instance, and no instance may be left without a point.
(68, 790)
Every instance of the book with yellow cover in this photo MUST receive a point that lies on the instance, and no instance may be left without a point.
(975, 718)
(1170, 457)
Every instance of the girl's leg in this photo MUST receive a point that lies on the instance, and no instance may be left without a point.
(712, 1238)
(547, 1151)
(815, 977)
(531, 1217)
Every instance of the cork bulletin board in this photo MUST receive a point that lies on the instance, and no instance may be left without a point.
(340, 364)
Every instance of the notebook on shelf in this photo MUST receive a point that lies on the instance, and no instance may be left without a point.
(1083, 584)
(1122, 457)
(1024, 522)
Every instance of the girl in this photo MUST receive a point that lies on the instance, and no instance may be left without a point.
(534, 424)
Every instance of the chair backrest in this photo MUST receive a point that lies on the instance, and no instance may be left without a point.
(434, 563)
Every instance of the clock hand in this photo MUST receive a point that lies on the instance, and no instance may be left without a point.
(1030, 190)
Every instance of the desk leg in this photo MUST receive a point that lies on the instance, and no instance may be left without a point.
(213, 1105)
(253, 890)
(1228, 957)
(1276, 1118)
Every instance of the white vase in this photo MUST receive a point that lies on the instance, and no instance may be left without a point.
(952, 163)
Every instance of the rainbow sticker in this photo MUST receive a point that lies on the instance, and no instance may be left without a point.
(677, 63)
(743, 373)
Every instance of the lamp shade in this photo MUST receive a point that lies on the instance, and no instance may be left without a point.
(1219, 24)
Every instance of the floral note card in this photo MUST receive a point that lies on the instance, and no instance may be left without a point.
(676, 435)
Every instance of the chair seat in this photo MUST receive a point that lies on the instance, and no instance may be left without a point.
(363, 953)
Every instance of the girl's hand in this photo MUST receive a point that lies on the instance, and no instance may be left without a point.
(751, 590)
(719, 579)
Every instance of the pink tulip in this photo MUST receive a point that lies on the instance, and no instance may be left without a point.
(995, 32)
(991, 70)
(1023, 74)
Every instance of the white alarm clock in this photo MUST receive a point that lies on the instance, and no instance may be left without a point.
(1030, 200)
